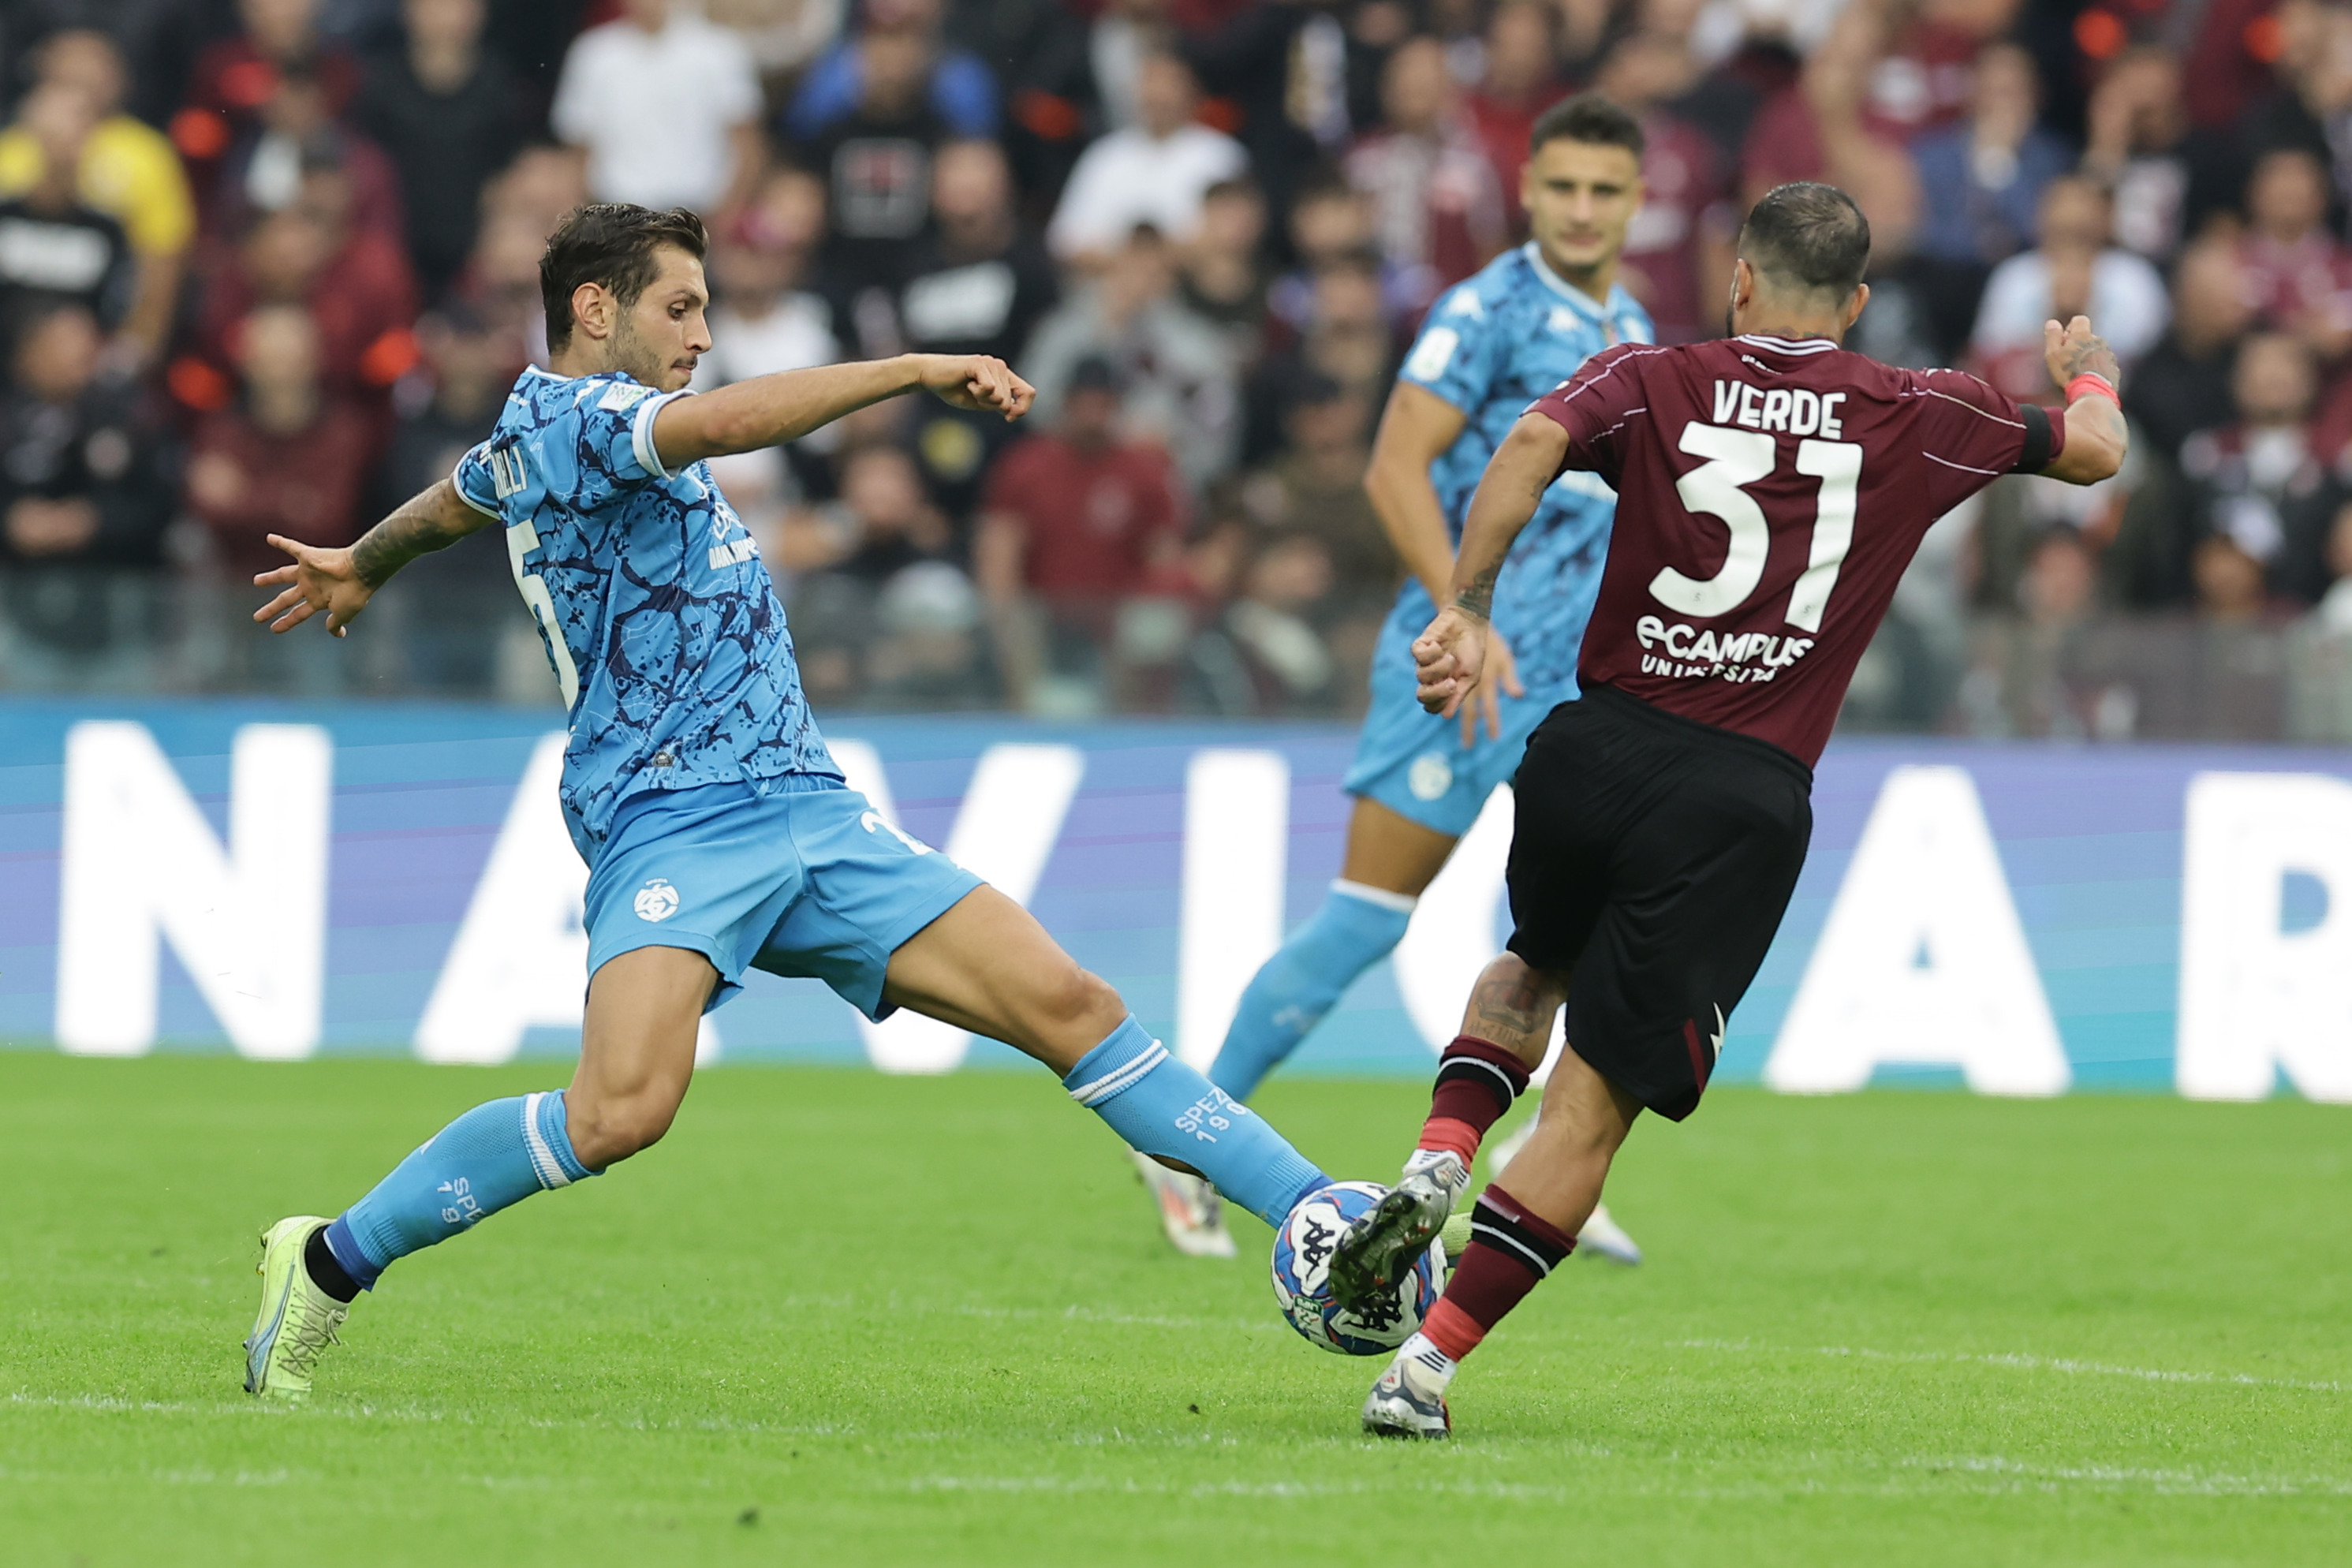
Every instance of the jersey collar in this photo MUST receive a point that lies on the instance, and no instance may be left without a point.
(1592, 311)
(1788, 345)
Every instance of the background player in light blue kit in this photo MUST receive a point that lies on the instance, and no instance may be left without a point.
(1492, 346)
(717, 830)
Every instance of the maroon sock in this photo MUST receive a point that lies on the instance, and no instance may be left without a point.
(1476, 1082)
(1511, 1252)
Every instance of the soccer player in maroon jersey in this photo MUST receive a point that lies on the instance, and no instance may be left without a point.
(1772, 488)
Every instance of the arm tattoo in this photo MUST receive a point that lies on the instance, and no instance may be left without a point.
(418, 528)
(1477, 597)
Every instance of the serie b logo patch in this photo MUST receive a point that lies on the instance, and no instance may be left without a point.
(656, 900)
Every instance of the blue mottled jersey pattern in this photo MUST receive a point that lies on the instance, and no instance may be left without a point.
(660, 620)
(1493, 344)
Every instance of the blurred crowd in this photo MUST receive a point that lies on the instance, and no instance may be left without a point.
(270, 266)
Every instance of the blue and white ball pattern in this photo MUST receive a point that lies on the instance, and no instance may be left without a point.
(1302, 1268)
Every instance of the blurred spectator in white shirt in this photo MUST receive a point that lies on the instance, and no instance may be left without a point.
(763, 321)
(2074, 271)
(1154, 173)
(666, 107)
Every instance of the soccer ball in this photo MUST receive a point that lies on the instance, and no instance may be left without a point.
(1302, 1264)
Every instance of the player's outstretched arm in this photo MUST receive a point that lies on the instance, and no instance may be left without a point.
(2097, 434)
(769, 410)
(1451, 654)
(341, 582)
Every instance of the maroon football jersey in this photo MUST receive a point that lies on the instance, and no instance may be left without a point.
(1769, 495)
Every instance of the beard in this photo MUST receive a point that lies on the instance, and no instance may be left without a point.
(637, 357)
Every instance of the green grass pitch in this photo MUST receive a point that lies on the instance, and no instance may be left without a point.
(839, 1318)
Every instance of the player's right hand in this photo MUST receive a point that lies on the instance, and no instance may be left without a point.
(1448, 660)
(315, 580)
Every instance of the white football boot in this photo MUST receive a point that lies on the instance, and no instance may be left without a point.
(1409, 1401)
(1601, 1236)
(1380, 1246)
(1191, 1212)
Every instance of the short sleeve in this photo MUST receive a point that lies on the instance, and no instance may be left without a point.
(1594, 406)
(610, 436)
(1460, 350)
(476, 481)
(1971, 433)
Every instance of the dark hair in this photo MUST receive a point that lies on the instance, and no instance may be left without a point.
(1808, 235)
(1589, 117)
(612, 243)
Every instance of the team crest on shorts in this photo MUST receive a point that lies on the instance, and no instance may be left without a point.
(1430, 777)
(656, 900)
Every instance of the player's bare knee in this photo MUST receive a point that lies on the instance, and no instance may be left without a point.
(605, 1132)
(1077, 1003)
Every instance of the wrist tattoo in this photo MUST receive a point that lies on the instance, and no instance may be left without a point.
(2093, 357)
(1477, 597)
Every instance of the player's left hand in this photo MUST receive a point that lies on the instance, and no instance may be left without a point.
(1498, 679)
(317, 580)
(979, 382)
(1448, 660)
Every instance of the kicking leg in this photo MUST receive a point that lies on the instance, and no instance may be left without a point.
(1390, 860)
(1506, 1030)
(636, 1056)
(1519, 1235)
(988, 966)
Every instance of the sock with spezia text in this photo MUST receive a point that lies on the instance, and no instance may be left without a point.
(495, 1155)
(1355, 928)
(1477, 1081)
(1511, 1252)
(1162, 1107)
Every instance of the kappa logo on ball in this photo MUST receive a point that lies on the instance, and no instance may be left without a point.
(1430, 777)
(656, 900)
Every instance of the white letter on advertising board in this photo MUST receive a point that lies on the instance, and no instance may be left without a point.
(1237, 859)
(1004, 833)
(520, 958)
(1923, 960)
(249, 922)
(1452, 935)
(2255, 997)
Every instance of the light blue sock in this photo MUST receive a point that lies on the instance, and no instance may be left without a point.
(494, 1156)
(1162, 1107)
(1355, 928)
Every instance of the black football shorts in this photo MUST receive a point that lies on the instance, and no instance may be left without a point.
(1653, 858)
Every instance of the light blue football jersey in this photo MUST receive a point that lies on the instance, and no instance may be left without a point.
(1492, 346)
(659, 617)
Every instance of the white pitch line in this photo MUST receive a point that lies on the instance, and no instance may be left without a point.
(2017, 1362)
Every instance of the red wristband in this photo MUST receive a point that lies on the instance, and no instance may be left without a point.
(2091, 384)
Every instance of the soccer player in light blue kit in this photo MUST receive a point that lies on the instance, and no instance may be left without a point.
(1492, 346)
(717, 830)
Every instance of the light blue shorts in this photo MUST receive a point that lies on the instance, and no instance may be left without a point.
(806, 879)
(1415, 762)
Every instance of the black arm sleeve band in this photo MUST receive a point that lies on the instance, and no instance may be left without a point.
(2036, 454)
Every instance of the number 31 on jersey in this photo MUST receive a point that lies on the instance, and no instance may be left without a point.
(1717, 487)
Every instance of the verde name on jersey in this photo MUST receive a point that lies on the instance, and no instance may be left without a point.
(665, 631)
(1492, 346)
